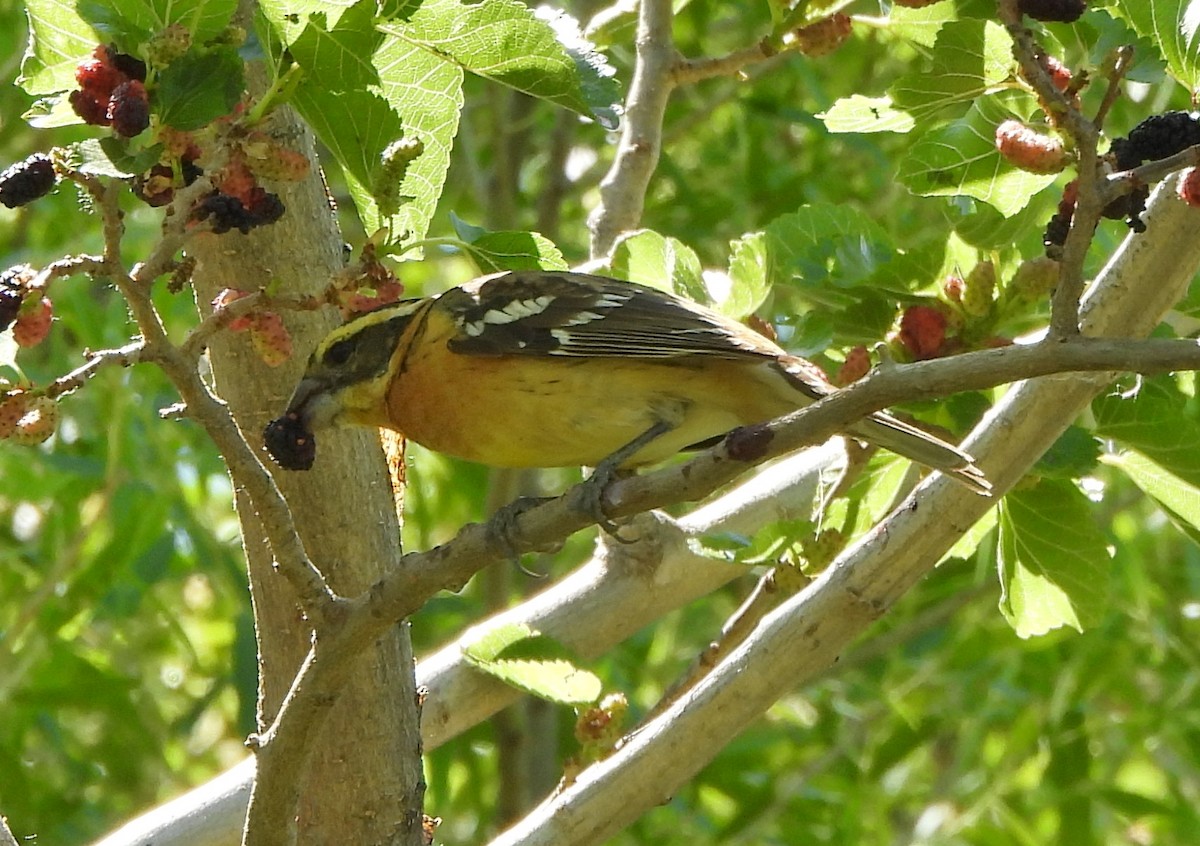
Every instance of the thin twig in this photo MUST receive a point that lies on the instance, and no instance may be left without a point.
(316, 597)
(1064, 308)
(64, 267)
(198, 338)
(125, 356)
(1123, 61)
(1125, 181)
(174, 233)
(689, 71)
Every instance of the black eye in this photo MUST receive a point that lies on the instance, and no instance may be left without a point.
(340, 353)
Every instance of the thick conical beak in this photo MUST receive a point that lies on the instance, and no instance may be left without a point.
(311, 405)
(289, 438)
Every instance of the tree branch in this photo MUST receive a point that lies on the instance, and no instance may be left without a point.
(646, 579)
(1064, 309)
(623, 189)
(690, 71)
(318, 599)
(807, 633)
(451, 565)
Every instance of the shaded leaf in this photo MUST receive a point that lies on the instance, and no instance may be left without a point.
(1074, 454)
(819, 245)
(1155, 419)
(198, 88)
(508, 250)
(1173, 26)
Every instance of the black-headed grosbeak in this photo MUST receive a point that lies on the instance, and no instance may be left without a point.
(556, 369)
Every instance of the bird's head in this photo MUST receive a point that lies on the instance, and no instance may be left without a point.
(346, 382)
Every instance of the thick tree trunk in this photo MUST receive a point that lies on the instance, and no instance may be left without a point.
(365, 784)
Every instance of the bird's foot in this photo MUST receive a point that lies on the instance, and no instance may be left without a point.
(503, 524)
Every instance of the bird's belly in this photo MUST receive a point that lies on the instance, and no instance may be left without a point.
(570, 411)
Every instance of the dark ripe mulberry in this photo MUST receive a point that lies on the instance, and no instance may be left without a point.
(131, 66)
(1157, 137)
(264, 207)
(1063, 11)
(291, 444)
(224, 212)
(1129, 207)
(10, 306)
(25, 181)
(129, 109)
(91, 109)
(1055, 235)
(227, 213)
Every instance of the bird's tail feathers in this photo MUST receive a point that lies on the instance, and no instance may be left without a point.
(907, 440)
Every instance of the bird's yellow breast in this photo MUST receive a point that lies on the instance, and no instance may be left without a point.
(557, 411)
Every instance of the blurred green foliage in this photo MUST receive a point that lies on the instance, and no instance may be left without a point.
(126, 652)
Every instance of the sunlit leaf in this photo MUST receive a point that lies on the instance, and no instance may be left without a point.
(1055, 568)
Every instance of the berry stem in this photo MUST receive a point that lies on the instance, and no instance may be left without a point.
(280, 92)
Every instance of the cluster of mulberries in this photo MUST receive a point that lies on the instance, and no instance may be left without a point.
(27, 311)
(1157, 137)
(25, 181)
(112, 92)
(239, 201)
(268, 335)
(226, 212)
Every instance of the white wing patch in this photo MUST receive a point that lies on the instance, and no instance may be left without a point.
(512, 312)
